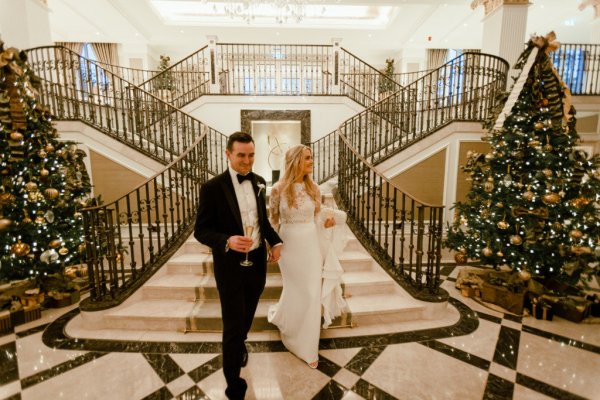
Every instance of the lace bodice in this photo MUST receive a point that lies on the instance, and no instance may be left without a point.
(304, 211)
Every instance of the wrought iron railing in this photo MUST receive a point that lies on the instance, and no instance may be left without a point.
(128, 239)
(579, 67)
(133, 75)
(464, 89)
(184, 81)
(77, 89)
(270, 69)
(403, 234)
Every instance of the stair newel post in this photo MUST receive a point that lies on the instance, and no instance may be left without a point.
(419, 252)
(334, 65)
(213, 65)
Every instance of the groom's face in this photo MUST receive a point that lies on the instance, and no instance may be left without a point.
(241, 157)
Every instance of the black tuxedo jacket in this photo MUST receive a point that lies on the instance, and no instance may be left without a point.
(219, 215)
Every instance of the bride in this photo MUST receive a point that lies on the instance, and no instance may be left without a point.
(294, 204)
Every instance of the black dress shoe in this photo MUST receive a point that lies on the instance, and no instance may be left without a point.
(245, 358)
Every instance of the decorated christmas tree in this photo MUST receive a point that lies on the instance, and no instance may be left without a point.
(43, 183)
(533, 204)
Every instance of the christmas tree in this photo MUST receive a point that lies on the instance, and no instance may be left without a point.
(164, 78)
(43, 183)
(534, 197)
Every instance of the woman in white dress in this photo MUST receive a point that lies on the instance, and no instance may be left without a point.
(294, 204)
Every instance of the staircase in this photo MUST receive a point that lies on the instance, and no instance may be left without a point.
(182, 296)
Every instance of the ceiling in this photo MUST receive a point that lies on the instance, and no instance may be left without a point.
(376, 30)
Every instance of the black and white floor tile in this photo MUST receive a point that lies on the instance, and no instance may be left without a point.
(476, 353)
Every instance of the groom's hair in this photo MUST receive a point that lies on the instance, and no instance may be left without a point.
(242, 137)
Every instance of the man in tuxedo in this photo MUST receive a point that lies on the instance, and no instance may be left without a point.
(230, 202)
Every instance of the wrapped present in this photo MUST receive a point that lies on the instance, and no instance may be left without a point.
(5, 323)
(542, 309)
(594, 300)
(572, 308)
(62, 299)
(504, 297)
(32, 297)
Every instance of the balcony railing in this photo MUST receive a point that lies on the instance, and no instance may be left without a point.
(75, 88)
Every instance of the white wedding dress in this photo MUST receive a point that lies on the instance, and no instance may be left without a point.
(298, 312)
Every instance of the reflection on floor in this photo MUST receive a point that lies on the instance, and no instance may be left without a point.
(473, 353)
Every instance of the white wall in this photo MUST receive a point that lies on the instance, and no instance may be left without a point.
(223, 112)
(24, 24)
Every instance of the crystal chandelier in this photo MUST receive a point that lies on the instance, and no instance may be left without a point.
(282, 11)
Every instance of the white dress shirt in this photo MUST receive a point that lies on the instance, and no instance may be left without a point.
(246, 198)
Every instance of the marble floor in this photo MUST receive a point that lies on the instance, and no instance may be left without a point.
(472, 352)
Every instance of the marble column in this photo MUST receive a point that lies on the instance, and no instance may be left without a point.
(504, 28)
(24, 24)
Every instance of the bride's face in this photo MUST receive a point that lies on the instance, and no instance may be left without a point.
(307, 162)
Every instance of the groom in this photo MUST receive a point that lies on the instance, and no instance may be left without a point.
(229, 202)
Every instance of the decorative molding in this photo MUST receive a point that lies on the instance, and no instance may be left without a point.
(247, 116)
(594, 3)
(491, 5)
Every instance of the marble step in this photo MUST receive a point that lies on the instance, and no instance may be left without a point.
(192, 287)
(200, 264)
(384, 309)
(185, 316)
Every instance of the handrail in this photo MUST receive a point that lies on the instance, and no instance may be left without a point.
(402, 234)
(78, 89)
(184, 81)
(464, 89)
(129, 239)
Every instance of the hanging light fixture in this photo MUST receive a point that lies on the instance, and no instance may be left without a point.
(283, 11)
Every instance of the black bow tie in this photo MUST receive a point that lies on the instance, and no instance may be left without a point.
(242, 178)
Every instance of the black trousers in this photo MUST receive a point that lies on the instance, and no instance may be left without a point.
(239, 291)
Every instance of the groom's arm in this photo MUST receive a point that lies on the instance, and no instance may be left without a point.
(205, 230)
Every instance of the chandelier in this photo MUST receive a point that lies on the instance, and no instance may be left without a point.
(283, 11)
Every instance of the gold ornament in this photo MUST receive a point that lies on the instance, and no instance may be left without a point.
(81, 248)
(579, 250)
(44, 172)
(39, 220)
(4, 224)
(63, 251)
(489, 157)
(500, 254)
(524, 275)
(487, 252)
(557, 226)
(20, 249)
(31, 186)
(538, 125)
(528, 195)
(16, 136)
(42, 154)
(460, 257)
(548, 147)
(49, 148)
(51, 193)
(516, 240)
(576, 234)
(55, 243)
(551, 198)
(580, 202)
(77, 215)
(488, 186)
(547, 172)
(533, 143)
(6, 198)
(503, 225)
(500, 205)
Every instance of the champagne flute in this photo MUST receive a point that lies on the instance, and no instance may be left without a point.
(248, 233)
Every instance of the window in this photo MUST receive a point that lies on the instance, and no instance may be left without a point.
(570, 64)
(93, 77)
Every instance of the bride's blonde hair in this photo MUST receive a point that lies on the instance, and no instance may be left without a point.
(293, 172)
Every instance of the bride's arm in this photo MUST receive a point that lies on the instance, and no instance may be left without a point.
(274, 200)
(327, 218)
